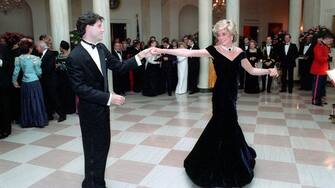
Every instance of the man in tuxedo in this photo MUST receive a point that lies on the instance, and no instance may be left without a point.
(120, 81)
(305, 62)
(193, 67)
(49, 81)
(167, 60)
(87, 69)
(269, 59)
(288, 53)
(6, 72)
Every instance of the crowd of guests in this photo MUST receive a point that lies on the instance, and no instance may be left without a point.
(313, 57)
(34, 84)
(161, 73)
(33, 81)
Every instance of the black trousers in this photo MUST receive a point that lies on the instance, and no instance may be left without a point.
(268, 84)
(52, 100)
(242, 77)
(318, 89)
(306, 78)
(287, 72)
(96, 141)
(5, 111)
(193, 76)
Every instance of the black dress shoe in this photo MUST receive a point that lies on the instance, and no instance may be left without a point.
(268, 91)
(192, 92)
(61, 118)
(50, 118)
(282, 90)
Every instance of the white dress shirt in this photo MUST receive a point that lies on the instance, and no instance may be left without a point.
(43, 53)
(286, 48)
(95, 56)
(1, 62)
(306, 47)
(268, 50)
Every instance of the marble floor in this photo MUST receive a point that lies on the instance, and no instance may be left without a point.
(294, 140)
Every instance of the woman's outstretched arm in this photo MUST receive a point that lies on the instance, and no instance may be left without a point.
(256, 71)
(182, 52)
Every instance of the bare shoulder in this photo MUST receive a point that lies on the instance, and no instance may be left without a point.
(239, 50)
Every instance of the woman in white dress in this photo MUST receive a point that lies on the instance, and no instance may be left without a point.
(182, 72)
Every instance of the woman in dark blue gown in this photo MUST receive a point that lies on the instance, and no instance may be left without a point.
(221, 157)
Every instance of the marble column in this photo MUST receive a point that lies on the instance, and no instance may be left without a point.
(59, 21)
(205, 39)
(233, 13)
(295, 11)
(311, 14)
(101, 7)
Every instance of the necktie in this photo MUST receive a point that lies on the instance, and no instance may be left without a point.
(92, 45)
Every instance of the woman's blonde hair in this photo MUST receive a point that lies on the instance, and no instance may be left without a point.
(228, 25)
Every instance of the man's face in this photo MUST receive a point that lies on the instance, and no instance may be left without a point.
(246, 41)
(117, 46)
(287, 38)
(268, 40)
(95, 31)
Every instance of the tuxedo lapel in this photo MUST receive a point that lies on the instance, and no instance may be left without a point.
(89, 62)
(103, 66)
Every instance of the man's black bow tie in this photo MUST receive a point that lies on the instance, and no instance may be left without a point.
(92, 45)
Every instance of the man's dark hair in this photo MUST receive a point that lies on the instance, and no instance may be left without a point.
(165, 40)
(42, 37)
(88, 18)
(65, 45)
(190, 37)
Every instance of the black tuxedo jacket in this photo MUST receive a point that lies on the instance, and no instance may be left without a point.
(288, 60)
(309, 54)
(6, 71)
(194, 59)
(273, 57)
(91, 85)
(48, 66)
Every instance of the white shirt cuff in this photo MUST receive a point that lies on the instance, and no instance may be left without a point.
(138, 61)
(1, 62)
(109, 100)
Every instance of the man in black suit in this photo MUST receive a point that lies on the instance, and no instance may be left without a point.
(120, 80)
(305, 62)
(6, 72)
(49, 81)
(193, 67)
(87, 69)
(269, 59)
(288, 53)
(168, 75)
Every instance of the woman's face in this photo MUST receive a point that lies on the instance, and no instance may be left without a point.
(224, 37)
(252, 45)
(153, 44)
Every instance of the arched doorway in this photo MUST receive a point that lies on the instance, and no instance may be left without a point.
(188, 20)
(17, 20)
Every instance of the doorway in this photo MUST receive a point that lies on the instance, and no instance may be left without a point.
(251, 32)
(118, 31)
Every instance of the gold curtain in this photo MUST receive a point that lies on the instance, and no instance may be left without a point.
(211, 74)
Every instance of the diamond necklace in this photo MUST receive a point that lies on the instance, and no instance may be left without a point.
(230, 49)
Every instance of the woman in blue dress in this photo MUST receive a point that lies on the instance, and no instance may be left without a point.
(33, 112)
(221, 157)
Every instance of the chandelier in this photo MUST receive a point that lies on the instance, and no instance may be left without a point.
(219, 5)
(6, 5)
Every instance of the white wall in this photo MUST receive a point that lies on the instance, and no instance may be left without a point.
(188, 20)
(262, 12)
(126, 13)
(17, 20)
(41, 17)
(327, 11)
(170, 16)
